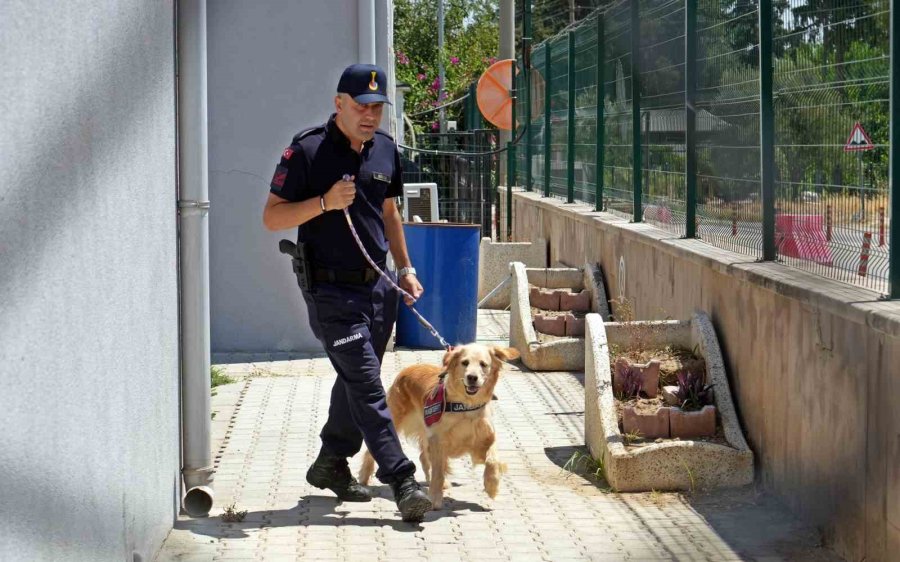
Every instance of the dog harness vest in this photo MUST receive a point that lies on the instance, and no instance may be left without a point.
(436, 405)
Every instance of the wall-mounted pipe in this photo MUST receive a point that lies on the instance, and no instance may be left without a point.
(193, 212)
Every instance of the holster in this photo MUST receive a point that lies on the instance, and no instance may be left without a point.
(300, 262)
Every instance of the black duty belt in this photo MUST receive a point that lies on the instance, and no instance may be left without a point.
(348, 276)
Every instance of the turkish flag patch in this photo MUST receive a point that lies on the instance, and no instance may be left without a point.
(279, 177)
(288, 152)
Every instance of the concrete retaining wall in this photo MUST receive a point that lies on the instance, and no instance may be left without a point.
(813, 363)
(493, 266)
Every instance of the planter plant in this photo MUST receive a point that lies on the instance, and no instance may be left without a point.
(695, 414)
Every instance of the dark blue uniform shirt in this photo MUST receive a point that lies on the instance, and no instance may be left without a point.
(316, 159)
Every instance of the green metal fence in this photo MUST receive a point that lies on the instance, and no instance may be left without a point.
(759, 126)
(833, 72)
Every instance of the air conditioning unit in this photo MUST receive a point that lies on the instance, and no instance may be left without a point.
(420, 200)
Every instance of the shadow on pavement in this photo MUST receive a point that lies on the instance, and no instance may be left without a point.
(749, 522)
(319, 511)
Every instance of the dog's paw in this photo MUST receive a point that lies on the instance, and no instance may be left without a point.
(492, 474)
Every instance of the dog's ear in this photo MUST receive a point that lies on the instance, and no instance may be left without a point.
(505, 353)
(448, 356)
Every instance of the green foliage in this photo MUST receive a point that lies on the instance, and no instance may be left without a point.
(471, 42)
(549, 17)
(218, 376)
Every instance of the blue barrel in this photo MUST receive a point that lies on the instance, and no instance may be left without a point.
(446, 260)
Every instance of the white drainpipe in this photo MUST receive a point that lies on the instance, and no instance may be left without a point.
(193, 208)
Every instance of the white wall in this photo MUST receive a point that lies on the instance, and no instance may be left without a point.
(89, 448)
(273, 70)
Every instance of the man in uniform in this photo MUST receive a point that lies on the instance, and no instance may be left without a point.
(351, 308)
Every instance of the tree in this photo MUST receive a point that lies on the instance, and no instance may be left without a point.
(471, 40)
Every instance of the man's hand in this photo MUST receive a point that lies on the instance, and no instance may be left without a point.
(341, 195)
(411, 285)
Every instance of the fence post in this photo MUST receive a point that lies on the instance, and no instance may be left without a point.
(510, 172)
(511, 168)
(690, 115)
(601, 118)
(570, 137)
(467, 113)
(636, 110)
(473, 107)
(526, 69)
(894, 158)
(476, 113)
(767, 129)
(548, 81)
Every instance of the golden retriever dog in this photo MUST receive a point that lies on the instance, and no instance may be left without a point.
(469, 375)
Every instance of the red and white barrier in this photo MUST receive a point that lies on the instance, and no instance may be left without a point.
(802, 236)
(864, 254)
(658, 213)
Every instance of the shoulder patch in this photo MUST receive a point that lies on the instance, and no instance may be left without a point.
(307, 132)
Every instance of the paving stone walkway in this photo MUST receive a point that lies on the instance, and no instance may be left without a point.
(266, 433)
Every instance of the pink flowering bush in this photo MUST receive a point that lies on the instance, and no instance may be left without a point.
(471, 35)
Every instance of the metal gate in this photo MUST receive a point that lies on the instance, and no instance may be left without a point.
(466, 178)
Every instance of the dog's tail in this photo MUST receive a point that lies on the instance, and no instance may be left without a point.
(368, 467)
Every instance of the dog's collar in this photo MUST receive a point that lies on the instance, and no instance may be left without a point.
(460, 407)
(456, 406)
(436, 404)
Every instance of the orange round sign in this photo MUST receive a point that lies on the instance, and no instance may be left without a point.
(492, 94)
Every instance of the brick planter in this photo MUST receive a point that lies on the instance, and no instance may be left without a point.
(576, 302)
(649, 426)
(649, 374)
(672, 464)
(688, 425)
(544, 299)
(574, 326)
(551, 325)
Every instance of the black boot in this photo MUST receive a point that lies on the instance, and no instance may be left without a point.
(411, 500)
(333, 473)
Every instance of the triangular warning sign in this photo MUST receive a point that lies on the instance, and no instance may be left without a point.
(858, 140)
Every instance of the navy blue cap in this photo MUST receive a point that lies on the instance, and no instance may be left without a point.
(365, 83)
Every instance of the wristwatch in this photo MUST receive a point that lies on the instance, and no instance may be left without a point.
(406, 271)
